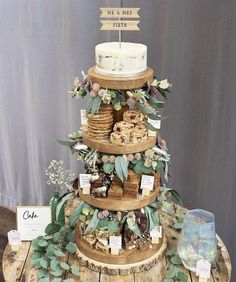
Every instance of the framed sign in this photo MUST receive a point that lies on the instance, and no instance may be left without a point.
(32, 221)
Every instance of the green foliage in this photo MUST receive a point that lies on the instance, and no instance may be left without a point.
(121, 167)
(93, 222)
(155, 103)
(144, 109)
(68, 143)
(71, 248)
(174, 273)
(52, 228)
(76, 214)
(95, 104)
(112, 226)
(75, 270)
(140, 168)
(108, 167)
(150, 126)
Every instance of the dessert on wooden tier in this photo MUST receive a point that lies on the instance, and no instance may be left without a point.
(125, 158)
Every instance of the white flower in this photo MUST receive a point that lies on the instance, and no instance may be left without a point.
(76, 82)
(80, 146)
(164, 84)
(154, 83)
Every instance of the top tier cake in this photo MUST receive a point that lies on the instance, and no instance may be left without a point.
(129, 59)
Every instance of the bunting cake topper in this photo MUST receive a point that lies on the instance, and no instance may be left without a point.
(117, 19)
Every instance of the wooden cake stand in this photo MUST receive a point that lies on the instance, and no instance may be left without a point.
(17, 265)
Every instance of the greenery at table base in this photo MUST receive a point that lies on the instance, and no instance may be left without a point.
(51, 250)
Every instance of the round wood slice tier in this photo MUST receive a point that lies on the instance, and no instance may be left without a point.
(105, 146)
(125, 257)
(124, 204)
(122, 83)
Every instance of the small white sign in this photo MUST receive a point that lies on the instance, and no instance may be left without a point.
(203, 269)
(84, 180)
(115, 242)
(14, 237)
(156, 234)
(155, 123)
(147, 182)
(83, 117)
(32, 221)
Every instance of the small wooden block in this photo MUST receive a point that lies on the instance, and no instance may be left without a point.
(115, 252)
(146, 192)
(201, 279)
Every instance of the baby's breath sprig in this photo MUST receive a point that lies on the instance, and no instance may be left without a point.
(58, 176)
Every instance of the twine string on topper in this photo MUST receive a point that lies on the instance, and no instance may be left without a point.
(118, 23)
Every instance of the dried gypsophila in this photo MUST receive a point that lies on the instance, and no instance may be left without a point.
(57, 176)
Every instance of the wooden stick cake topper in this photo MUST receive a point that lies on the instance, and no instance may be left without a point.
(118, 23)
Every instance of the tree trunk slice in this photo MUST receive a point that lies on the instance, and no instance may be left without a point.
(116, 267)
(123, 204)
(125, 257)
(122, 83)
(105, 146)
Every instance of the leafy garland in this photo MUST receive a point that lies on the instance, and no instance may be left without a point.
(145, 99)
(150, 161)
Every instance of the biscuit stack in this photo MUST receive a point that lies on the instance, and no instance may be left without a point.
(131, 130)
(100, 124)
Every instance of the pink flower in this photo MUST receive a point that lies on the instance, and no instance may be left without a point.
(137, 156)
(105, 213)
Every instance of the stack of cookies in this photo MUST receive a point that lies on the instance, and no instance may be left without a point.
(131, 130)
(100, 124)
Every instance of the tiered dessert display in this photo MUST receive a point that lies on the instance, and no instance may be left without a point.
(124, 157)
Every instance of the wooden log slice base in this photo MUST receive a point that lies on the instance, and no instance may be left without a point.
(124, 204)
(105, 146)
(125, 258)
(122, 83)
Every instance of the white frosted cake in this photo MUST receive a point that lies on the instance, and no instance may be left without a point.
(128, 60)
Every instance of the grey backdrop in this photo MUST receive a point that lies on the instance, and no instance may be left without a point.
(45, 44)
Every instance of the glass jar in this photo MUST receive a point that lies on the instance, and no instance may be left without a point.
(197, 238)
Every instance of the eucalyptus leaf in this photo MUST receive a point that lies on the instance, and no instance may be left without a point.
(58, 253)
(75, 270)
(54, 264)
(112, 226)
(43, 273)
(93, 222)
(96, 104)
(35, 245)
(42, 243)
(36, 255)
(118, 167)
(71, 248)
(155, 103)
(155, 116)
(57, 273)
(162, 92)
(182, 276)
(171, 252)
(178, 225)
(89, 105)
(44, 263)
(144, 109)
(68, 143)
(103, 223)
(60, 205)
(176, 197)
(140, 168)
(52, 228)
(64, 266)
(150, 126)
(108, 167)
(168, 280)
(176, 260)
(76, 214)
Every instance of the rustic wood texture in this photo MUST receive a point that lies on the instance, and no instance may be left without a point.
(17, 265)
(105, 146)
(125, 257)
(124, 204)
(123, 83)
